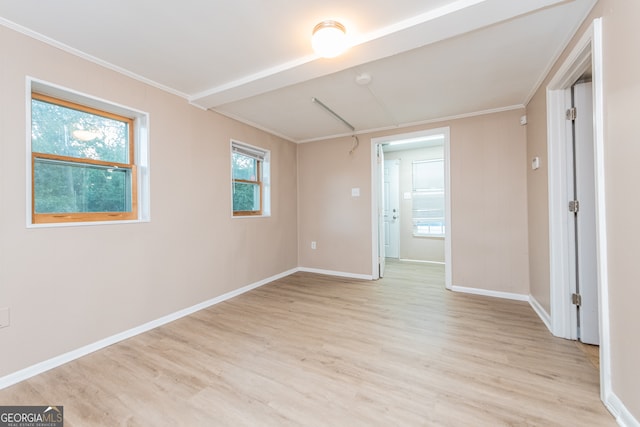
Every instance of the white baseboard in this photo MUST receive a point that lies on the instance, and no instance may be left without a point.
(541, 312)
(624, 418)
(421, 261)
(489, 293)
(336, 273)
(54, 362)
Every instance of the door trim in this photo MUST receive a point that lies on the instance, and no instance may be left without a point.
(587, 52)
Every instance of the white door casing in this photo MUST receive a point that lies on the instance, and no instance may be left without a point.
(380, 259)
(587, 53)
(376, 202)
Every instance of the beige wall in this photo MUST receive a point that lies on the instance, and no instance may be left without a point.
(538, 201)
(621, 151)
(489, 210)
(412, 247)
(488, 190)
(339, 223)
(68, 287)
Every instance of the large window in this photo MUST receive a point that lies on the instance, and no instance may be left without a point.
(83, 165)
(250, 180)
(428, 198)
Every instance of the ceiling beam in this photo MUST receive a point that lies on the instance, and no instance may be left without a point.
(454, 19)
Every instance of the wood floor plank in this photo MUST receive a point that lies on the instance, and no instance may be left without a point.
(312, 350)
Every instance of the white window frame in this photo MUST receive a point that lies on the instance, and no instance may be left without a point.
(265, 178)
(141, 147)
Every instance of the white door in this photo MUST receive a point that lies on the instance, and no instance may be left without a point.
(381, 225)
(585, 218)
(392, 208)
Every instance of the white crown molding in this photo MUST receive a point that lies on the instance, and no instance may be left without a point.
(73, 51)
(419, 123)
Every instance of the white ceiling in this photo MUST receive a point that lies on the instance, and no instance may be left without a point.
(252, 59)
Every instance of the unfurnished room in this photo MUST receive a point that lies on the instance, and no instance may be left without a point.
(319, 213)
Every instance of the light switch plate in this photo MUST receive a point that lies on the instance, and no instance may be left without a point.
(535, 163)
(355, 192)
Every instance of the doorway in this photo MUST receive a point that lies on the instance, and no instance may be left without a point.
(562, 320)
(433, 221)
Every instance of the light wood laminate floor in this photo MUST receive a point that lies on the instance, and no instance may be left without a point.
(311, 350)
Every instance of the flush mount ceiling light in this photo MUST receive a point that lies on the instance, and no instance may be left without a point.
(329, 39)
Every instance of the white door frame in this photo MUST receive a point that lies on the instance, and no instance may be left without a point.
(375, 178)
(381, 259)
(586, 54)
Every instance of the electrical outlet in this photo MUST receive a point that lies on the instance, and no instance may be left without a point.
(4, 317)
(313, 245)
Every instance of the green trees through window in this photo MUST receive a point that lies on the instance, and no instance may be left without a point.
(246, 186)
(82, 163)
(248, 173)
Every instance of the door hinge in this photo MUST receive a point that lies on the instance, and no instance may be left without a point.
(576, 299)
(572, 113)
(574, 206)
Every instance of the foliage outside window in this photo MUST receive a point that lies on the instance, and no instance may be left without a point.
(428, 199)
(250, 174)
(83, 166)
